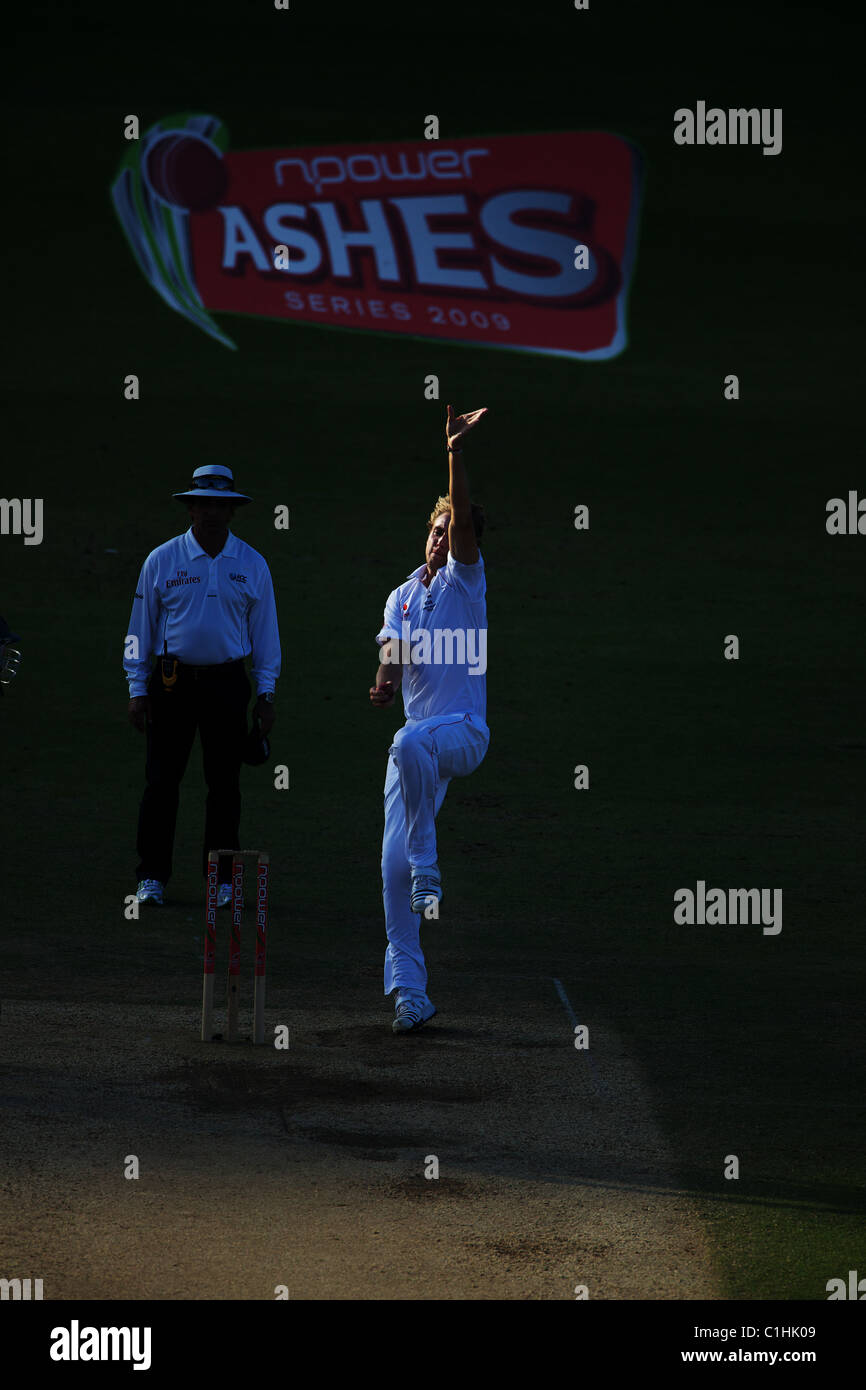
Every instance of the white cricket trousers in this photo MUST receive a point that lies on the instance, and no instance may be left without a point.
(425, 755)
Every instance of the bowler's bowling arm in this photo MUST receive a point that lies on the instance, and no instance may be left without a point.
(389, 669)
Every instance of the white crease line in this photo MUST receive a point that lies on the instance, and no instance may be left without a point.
(598, 1085)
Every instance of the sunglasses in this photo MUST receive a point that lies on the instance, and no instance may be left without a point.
(218, 483)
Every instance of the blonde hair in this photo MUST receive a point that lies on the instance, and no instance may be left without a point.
(443, 504)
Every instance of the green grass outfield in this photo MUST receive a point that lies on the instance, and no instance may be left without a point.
(707, 518)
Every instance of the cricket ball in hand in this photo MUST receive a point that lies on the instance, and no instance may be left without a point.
(186, 171)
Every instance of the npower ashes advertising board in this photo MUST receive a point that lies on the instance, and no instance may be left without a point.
(525, 242)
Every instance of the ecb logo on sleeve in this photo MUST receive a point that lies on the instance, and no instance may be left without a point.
(525, 242)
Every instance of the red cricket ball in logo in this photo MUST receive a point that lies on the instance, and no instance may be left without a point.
(186, 171)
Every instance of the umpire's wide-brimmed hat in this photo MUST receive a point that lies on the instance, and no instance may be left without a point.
(213, 480)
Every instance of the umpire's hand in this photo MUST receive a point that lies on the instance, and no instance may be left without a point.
(265, 713)
(139, 712)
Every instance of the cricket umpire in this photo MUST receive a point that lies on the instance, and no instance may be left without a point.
(203, 604)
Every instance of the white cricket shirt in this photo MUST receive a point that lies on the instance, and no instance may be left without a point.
(443, 632)
(205, 610)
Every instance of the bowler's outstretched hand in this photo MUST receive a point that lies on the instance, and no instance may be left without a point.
(457, 426)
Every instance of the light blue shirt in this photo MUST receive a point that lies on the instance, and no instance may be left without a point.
(204, 610)
(443, 633)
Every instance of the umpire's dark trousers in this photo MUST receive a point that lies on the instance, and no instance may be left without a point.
(214, 700)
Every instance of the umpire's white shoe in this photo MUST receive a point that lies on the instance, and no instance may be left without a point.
(413, 1011)
(426, 888)
(150, 891)
(224, 894)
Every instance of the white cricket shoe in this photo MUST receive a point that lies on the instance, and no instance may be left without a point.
(150, 891)
(413, 1011)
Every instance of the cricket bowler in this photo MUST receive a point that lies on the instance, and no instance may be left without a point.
(433, 643)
